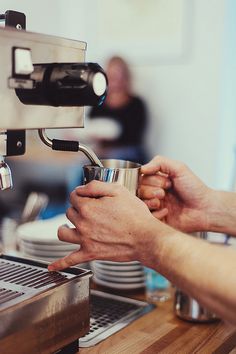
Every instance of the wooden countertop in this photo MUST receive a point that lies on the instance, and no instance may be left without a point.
(160, 331)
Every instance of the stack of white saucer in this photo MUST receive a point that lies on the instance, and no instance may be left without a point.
(38, 239)
(118, 275)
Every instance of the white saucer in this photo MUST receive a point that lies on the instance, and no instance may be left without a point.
(118, 286)
(120, 264)
(42, 231)
(50, 249)
(63, 246)
(44, 253)
(119, 280)
(120, 268)
(118, 273)
(47, 259)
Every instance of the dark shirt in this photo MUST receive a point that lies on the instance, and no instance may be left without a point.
(132, 118)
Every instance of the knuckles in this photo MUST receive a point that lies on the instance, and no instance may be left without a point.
(83, 229)
(84, 209)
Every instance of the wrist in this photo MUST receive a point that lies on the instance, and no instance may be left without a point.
(217, 211)
(152, 242)
(209, 209)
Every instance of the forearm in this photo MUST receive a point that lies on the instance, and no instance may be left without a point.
(206, 272)
(221, 213)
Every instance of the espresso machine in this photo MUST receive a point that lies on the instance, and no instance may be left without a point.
(44, 83)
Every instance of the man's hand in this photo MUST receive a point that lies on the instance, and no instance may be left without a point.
(186, 200)
(110, 223)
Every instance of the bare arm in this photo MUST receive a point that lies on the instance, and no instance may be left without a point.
(206, 272)
(112, 224)
(222, 213)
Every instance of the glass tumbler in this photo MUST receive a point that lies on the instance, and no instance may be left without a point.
(157, 286)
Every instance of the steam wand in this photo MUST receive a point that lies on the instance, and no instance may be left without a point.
(66, 145)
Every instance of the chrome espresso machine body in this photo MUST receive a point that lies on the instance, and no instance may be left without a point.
(44, 83)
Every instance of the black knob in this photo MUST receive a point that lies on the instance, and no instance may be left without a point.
(65, 84)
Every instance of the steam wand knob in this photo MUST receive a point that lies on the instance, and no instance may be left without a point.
(66, 145)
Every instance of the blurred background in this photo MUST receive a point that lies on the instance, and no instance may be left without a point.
(182, 57)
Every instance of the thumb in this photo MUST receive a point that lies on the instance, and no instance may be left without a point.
(97, 189)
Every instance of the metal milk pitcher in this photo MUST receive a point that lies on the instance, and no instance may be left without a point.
(189, 309)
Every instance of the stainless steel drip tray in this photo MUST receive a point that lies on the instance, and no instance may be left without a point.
(41, 311)
(21, 281)
(110, 313)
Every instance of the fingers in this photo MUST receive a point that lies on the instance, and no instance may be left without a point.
(160, 214)
(162, 164)
(72, 259)
(67, 234)
(97, 189)
(155, 181)
(147, 192)
(152, 204)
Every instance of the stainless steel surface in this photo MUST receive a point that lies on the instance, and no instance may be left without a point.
(25, 280)
(41, 312)
(189, 309)
(109, 314)
(122, 172)
(83, 148)
(5, 175)
(44, 49)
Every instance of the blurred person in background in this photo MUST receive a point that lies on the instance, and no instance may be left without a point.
(118, 126)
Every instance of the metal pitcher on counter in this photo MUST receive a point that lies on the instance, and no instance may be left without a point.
(188, 308)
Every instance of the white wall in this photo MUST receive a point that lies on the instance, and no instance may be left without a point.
(42, 16)
(226, 166)
(184, 96)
